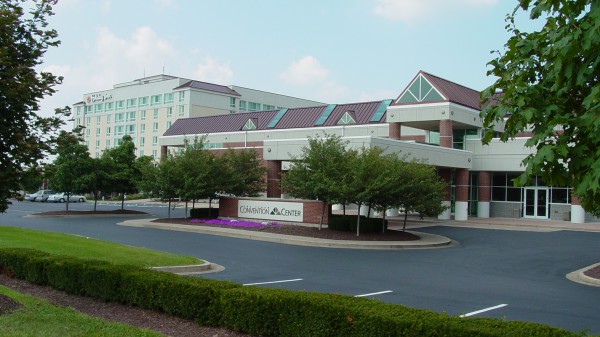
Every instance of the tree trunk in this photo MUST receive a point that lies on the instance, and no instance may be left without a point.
(368, 212)
(186, 208)
(405, 217)
(358, 222)
(322, 215)
(169, 212)
(123, 201)
(67, 201)
(344, 209)
(383, 222)
(95, 200)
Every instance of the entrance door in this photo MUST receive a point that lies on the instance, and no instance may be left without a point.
(536, 203)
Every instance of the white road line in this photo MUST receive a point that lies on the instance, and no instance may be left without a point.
(282, 281)
(372, 294)
(483, 310)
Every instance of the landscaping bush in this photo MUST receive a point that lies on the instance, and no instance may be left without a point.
(348, 223)
(204, 213)
(254, 310)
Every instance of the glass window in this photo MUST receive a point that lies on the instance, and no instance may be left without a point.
(169, 97)
(97, 131)
(169, 111)
(131, 116)
(120, 105)
(97, 144)
(156, 99)
(88, 121)
(154, 140)
(155, 127)
(143, 115)
(88, 108)
(108, 131)
(181, 95)
(141, 153)
(181, 110)
(142, 141)
(142, 128)
(98, 107)
(232, 102)
(118, 131)
(155, 113)
(108, 143)
(78, 110)
(119, 117)
(168, 124)
(108, 119)
(143, 101)
(561, 195)
(513, 194)
(154, 154)
(242, 105)
(98, 120)
(109, 106)
(130, 129)
(132, 102)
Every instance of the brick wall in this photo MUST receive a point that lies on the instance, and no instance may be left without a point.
(446, 133)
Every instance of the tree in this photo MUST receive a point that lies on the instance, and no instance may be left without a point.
(122, 171)
(550, 84)
(71, 165)
(146, 182)
(26, 137)
(243, 172)
(169, 180)
(316, 173)
(97, 179)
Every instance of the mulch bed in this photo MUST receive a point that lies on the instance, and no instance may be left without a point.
(593, 272)
(8, 305)
(314, 232)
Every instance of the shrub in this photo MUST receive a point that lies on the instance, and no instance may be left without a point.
(348, 223)
(204, 213)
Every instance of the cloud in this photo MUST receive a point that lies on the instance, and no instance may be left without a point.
(413, 10)
(305, 71)
(210, 70)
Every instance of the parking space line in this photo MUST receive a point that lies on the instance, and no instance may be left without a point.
(271, 282)
(372, 294)
(483, 310)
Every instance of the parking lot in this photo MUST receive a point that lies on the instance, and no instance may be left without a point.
(517, 275)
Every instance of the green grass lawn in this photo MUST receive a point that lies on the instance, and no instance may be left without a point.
(82, 247)
(38, 317)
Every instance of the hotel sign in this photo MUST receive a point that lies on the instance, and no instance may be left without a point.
(98, 97)
(271, 210)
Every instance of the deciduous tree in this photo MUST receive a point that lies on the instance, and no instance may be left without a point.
(25, 136)
(548, 82)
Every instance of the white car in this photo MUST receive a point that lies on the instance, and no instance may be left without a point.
(62, 197)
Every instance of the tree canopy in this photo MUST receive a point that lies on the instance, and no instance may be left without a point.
(25, 136)
(548, 82)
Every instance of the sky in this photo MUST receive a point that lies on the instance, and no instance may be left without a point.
(332, 51)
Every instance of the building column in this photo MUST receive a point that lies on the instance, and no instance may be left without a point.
(461, 205)
(446, 176)
(163, 153)
(394, 130)
(273, 178)
(446, 133)
(484, 194)
(577, 211)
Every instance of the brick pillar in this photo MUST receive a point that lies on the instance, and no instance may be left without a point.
(274, 178)
(446, 133)
(484, 194)
(461, 205)
(577, 211)
(163, 153)
(394, 130)
(446, 176)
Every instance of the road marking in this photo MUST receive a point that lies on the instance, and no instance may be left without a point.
(372, 294)
(483, 310)
(282, 281)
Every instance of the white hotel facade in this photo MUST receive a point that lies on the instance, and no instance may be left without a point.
(145, 108)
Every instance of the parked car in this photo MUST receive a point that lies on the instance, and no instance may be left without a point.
(41, 195)
(62, 197)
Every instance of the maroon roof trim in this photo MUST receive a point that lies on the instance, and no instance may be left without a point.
(208, 87)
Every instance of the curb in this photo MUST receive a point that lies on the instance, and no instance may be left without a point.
(427, 240)
(204, 268)
(579, 276)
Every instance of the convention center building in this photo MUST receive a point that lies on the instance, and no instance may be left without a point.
(432, 119)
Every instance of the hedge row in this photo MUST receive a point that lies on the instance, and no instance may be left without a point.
(348, 223)
(254, 310)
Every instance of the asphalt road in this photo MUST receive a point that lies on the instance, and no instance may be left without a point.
(505, 274)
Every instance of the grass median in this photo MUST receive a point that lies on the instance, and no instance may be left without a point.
(88, 248)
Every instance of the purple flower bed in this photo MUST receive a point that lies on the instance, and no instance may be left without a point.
(234, 223)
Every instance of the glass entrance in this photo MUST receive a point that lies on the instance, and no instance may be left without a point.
(536, 203)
